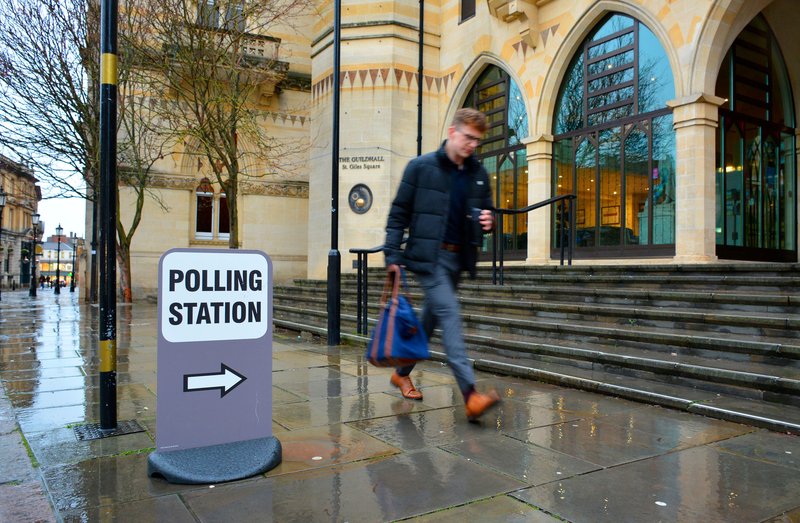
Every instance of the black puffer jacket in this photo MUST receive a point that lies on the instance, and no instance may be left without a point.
(421, 206)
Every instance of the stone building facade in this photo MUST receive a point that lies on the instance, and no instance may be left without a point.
(674, 122)
(16, 230)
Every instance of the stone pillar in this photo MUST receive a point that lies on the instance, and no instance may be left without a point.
(695, 120)
(378, 117)
(540, 160)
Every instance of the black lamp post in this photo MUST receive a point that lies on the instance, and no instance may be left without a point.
(2, 206)
(59, 231)
(74, 248)
(35, 223)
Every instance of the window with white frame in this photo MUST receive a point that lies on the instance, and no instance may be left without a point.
(211, 213)
(208, 14)
(234, 17)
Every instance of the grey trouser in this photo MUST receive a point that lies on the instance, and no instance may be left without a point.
(441, 308)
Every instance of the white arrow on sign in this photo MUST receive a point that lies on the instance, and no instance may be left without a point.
(225, 380)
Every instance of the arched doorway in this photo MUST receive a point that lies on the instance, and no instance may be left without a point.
(614, 146)
(756, 167)
(502, 152)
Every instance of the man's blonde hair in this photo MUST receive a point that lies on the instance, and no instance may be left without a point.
(470, 117)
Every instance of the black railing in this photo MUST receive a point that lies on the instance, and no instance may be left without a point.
(362, 265)
(565, 215)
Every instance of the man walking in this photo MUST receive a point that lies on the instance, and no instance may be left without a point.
(444, 201)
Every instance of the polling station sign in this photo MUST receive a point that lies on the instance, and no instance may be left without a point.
(214, 348)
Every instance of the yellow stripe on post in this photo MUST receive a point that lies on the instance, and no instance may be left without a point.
(108, 355)
(108, 69)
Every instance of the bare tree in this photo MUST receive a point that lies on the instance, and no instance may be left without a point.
(49, 54)
(216, 66)
(49, 108)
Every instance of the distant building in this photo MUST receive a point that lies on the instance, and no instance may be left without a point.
(16, 231)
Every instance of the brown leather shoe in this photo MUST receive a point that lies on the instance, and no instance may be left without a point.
(407, 388)
(478, 404)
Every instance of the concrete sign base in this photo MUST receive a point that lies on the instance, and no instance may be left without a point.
(216, 463)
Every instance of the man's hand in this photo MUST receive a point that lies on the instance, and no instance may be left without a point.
(486, 220)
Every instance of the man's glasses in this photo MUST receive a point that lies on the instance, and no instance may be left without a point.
(470, 138)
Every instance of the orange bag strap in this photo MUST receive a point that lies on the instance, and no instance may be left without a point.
(391, 288)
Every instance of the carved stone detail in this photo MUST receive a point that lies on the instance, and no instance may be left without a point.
(285, 188)
(524, 14)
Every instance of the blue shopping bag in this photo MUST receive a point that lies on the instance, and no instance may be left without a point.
(398, 339)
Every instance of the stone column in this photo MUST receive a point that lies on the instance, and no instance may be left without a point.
(695, 120)
(540, 160)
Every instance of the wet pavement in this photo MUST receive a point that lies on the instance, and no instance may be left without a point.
(355, 450)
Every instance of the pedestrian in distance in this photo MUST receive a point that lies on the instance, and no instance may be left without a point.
(444, 201)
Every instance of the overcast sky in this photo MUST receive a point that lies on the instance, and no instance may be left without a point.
(69, 212)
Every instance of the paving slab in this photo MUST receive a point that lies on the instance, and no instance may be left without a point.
(154, 510)
(590, 440)
(500, 509)
(449, 426)
(386, 490)
(61, 446)
(674, 428)
(699, 484)
(321, 447)
(772, 447)
(105, 481)
(530, 464)
(329, 411)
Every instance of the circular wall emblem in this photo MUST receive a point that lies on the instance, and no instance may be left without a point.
(360, 198)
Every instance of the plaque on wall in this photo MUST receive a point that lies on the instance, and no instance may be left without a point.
(360, 198)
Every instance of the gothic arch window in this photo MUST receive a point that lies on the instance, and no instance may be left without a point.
(756, 175)
(502, 152)
(614, 146)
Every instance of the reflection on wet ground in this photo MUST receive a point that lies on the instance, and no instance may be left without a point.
(355, 450)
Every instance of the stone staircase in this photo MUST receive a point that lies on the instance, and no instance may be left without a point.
(718, 340)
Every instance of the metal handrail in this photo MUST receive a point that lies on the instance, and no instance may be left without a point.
(361, 279)
(567, 235)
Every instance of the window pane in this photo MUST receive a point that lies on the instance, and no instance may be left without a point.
(751, 201)
(733, 186)
(787, 176)
(224, 219)
(663, 180)
(614, 24)
(609, 184)
(205, 211)
(656, 85)
(611, 45)
(562, 172)
(637, 188)
(611, 79)
(612, 62)
(234, 17)
(517, 117)
(586, 208)
(208, 14)
(569, 109)
(467, 9)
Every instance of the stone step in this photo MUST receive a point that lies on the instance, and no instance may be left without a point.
(770, 302)
(777, 348)
(781, 325)
(775, 379)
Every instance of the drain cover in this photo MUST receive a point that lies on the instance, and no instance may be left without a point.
(93, 430)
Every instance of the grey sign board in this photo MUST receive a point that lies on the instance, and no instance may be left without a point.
(214, 348)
